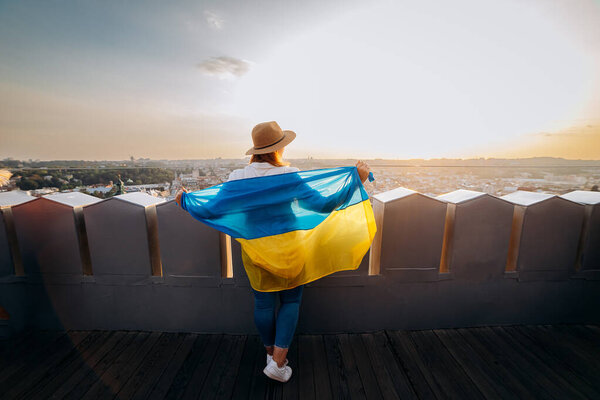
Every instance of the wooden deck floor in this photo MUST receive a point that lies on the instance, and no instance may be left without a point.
(554, 362)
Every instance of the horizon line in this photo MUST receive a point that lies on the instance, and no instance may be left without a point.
(308, 158)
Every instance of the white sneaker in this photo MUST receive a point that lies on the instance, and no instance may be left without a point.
(270, 357)
(282, 374)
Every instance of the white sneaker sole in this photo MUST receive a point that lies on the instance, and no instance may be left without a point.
(274, 377)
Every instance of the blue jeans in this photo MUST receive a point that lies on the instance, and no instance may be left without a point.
(278, 331)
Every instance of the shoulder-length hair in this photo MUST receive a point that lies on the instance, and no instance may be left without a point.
(272, 158)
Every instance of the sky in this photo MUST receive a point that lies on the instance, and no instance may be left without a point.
(107, 80)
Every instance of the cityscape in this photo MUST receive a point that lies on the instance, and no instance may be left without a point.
(431, 177)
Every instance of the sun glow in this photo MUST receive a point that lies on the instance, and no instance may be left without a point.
(410, 80)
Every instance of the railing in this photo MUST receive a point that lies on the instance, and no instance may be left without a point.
(464, 258)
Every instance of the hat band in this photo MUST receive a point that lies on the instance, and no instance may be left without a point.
(269, 145)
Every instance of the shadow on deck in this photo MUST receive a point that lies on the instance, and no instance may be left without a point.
(541, 361)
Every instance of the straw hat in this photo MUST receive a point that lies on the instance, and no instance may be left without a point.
(268, 137)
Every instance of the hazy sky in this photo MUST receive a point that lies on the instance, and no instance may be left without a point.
(391, 79)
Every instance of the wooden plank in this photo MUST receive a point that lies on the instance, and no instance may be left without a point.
(274, 389)
(561, 351)
(141, 383)
(594, 328)
(241, 386)
(365, 369)
(392, 379)
(382, 373)
(350, 369)
(201, 372)
(575, 348)
(505, 356)
(554, 363)
(560, 358)
(506, 378)
(534, 363)
(37, 343)
(591, 336)
(321, 373)
(185, 372)
(217, 367)
(49, 358)
(13, 347)
(445, 370)
(584, 338)
(87, 367)
(339, 384)
(291, 389)
(14, 358)
(93, 375)
(16, 339)
(160, 390)
(118, 377)
(306, 382)
(258, 388)
(109, 383)
(406, 353)
(229, 364)
(56, 376)
(384, 381)
(481, 372)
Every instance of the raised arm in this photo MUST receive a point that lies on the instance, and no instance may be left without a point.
(321, 196)
(178, 196)
(256, 206)
(363, 170)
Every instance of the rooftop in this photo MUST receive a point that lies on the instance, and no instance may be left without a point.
(464, 295)
(533, 361)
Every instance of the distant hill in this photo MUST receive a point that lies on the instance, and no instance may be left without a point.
(516, 162)
(431, 162)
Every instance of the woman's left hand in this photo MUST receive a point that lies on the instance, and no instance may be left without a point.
(178, 196)
(363, 170)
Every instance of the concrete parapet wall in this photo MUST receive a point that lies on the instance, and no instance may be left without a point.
(461, 259)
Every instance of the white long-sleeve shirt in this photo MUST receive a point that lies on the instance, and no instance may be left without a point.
(255, 169)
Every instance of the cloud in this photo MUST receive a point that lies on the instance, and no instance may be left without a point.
(213, 20)
(224, 67)
(568, 132)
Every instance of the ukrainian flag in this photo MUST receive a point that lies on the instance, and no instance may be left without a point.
(293, 228)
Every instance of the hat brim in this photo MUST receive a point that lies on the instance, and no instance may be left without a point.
(288, 136)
